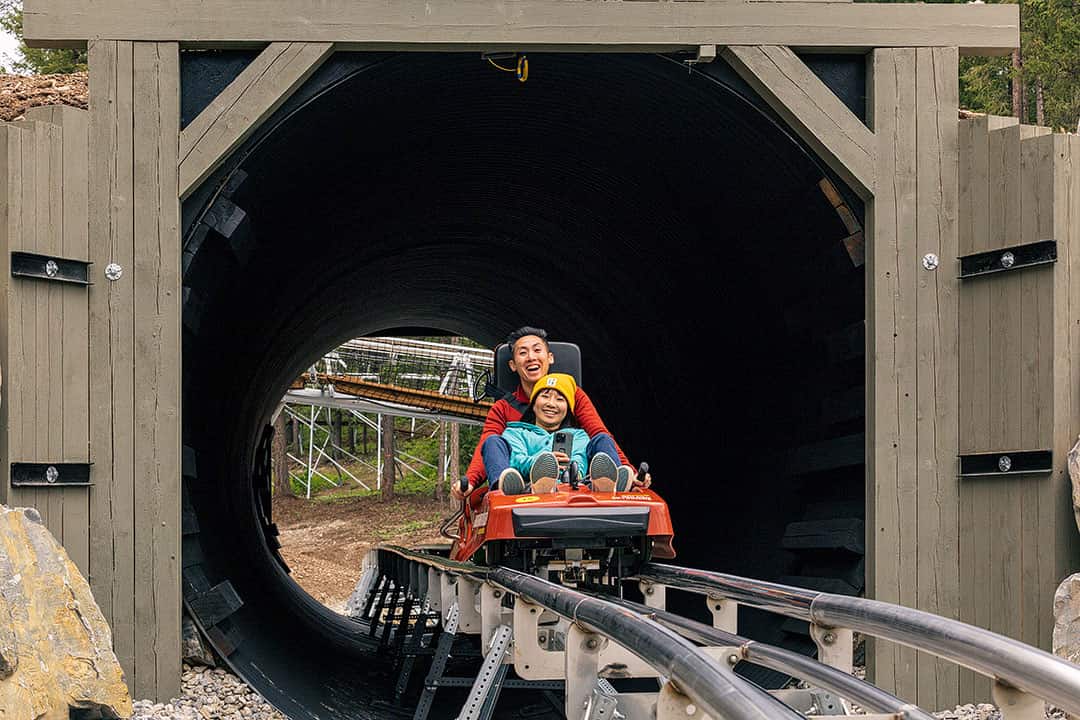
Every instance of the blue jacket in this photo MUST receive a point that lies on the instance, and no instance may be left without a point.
(527, 441)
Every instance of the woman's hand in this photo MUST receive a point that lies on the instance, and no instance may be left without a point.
(563, 458)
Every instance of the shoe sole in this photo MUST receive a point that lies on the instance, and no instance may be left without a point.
(545, 466)
(623, 479)
(603, 471)
(512, 484)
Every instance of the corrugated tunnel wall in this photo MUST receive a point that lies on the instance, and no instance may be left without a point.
(657, 215)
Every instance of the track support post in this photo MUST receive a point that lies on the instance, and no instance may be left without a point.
(438, 664)
(655, 595)
(725, 613)
(480, 705)
(1017, 704)
(582, 668)
(491, 598)
(835, 646)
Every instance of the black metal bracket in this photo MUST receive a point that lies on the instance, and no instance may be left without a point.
(1006, 463)
(50, 474)
(47, 267)
(1017, 257)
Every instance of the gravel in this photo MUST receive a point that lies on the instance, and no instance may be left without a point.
(209, 694)
(217, 694)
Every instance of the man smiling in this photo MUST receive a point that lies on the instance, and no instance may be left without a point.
(530, 358)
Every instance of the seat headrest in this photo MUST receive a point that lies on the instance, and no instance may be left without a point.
(567, 360)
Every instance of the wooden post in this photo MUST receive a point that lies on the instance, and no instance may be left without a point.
(441, 473)
(912, 358)
(135, 356)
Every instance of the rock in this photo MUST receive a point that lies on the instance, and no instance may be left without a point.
(57, 650)
(1074, 476)
(192, 648)
(1067, 618)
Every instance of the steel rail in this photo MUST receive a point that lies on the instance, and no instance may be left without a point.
(709, 683)
(1008, 661)
(868, 696)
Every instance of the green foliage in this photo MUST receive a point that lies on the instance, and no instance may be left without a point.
(37, 61)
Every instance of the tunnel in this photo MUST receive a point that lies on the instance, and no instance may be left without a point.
(653, 210)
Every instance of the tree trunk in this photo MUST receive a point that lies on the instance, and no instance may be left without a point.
(352, 434)
(1017, 85)
(364, 437)
(440, 473)
(1040, 105)
(454, 472)
(279, 461)
(388, 463)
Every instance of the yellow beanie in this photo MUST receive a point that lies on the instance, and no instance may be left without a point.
(560, 381)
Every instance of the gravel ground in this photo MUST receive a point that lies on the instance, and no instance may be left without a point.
(216, 694)
(209, 694)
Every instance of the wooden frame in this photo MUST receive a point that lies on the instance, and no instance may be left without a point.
(531, 25)
(141, 164)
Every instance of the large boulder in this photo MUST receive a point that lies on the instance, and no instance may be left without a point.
(1074, 476)
(56, 651)
(1067, 619)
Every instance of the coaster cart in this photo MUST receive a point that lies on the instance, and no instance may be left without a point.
(573, 535)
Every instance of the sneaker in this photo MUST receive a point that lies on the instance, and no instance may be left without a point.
(545, 466)
(624, 478)
(603, 472)
(511, 482)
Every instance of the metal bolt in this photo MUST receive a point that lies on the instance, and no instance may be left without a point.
(113, 271)
(592, 643)
(828, 638)
(650, 590)
(51, 474)
(691, 709)
(1008, 260)
(733, 659)
(930, 261)
(497, 594)
(1004, 463)
(51, 268)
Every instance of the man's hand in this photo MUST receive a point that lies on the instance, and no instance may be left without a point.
(456, 491)
(647, 482)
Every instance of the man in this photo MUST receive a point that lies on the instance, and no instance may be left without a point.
(530, 358)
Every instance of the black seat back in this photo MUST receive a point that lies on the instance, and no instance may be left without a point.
(567, 360)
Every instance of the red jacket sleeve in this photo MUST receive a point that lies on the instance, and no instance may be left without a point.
(590, 421)
(494, 424)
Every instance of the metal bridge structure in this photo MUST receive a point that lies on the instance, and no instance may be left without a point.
(580, 648)
(375, 380)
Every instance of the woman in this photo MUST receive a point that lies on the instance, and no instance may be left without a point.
(525, 449)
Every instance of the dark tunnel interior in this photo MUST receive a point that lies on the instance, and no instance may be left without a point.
(655, 213)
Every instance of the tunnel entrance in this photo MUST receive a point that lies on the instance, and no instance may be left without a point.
(658, 215)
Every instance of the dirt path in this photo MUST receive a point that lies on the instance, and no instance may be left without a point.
(324, 539)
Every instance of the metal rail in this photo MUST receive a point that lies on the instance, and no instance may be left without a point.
(868, 696)
(709, 683)
(1010, 662)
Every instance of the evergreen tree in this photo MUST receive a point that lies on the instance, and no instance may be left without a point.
(37, 61)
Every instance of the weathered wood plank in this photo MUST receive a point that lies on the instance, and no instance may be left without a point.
(891, 283)
(937, 425)
(10, 193)
(51, 211)
(29, 302)
(527, 25)
(122, 349)
(102, 148)
(167, 412)
(144, 279)
(252, 97)
(74, 357)
(811, 109)
(156, 281)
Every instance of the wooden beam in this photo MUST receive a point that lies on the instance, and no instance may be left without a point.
(529, 25)
(241, 107)
(810, 109)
